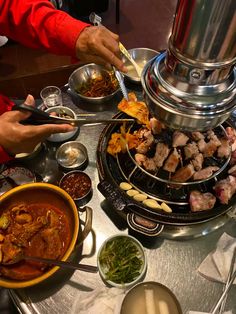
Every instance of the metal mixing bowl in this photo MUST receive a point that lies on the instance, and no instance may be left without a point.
(141, 56)
(83, 75)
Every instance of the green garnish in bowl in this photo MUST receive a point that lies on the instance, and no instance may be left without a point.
(121, 260)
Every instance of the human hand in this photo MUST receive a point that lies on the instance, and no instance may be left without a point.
(18, 138)
(99, 45)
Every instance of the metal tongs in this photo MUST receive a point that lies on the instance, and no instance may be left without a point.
(39, 117)
(97, 20)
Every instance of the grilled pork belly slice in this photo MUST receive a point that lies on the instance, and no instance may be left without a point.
(172, 161)
(213, 137)
(233, 158)
(144, 147)
(201, 201)
(179, 139)
(145, 162)
(197, 136)
(183, 174)
(190, 150)
(205, 173)
(225, 189)
(197, 161)
(231, 133)
(232, 171)
(156, 126)
(224, 149)
(162, 152)
(208, 149)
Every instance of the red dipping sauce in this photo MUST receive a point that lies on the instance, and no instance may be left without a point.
(77, 184)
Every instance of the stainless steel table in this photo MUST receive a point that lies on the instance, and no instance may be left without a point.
(170, 262)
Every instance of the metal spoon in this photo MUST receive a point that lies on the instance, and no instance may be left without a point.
(71, 265)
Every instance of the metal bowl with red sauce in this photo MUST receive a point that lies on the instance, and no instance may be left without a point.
(78, 185)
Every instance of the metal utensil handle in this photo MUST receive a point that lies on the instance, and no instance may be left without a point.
(121, 83)
(214, 311)
(222, 307)
(83, 267)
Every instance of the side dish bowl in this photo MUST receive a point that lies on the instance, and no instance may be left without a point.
(78, 185)
(121, 261)
(36, 197)
(150, 295)
(141, 56)
(93, 83)
(67, 113)
(72, 155)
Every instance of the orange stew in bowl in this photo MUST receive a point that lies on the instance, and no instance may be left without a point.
(77, 184)
(35, 229)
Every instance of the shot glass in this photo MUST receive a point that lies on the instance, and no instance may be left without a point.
(51, 96)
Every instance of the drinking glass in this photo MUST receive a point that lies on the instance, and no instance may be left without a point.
(51, 96)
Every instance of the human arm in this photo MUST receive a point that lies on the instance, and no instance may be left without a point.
(37, 24)
(16, 137)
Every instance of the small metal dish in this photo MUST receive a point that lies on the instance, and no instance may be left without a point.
(150, 295)
(141, 56)
(78, 185)
(72, 155)
(62, 137)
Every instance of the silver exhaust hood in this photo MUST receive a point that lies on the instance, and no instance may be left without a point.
(192, 86)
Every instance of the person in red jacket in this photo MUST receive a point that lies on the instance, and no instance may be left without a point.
(37, 24)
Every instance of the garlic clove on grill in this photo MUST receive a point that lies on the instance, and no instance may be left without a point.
(125, 186)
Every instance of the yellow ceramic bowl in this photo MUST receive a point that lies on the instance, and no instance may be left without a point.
(54, 195)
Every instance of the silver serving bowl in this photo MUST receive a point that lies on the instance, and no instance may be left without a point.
(82, 77)
(141, 56)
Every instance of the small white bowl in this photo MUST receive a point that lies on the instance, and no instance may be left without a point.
(61, 137)
(142, 256)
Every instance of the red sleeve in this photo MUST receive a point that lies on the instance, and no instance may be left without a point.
(5, 105)
(4, 157)
(37, 24)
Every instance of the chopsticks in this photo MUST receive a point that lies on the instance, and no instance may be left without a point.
(230, 280)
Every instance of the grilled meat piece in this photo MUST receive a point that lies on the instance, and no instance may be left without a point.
(183, 174)
(225, 189)
(213, 137)
(205, 173)
(225, 149)
(148, 140)
(145, 162)
(232, 171)
(197, 136)
(172, 161)
(231, 133)
(179, 139)
(190, 150)
(201, 201)
(197, 161)
(162, 152)
(208, 149)
(233, 158)
(156, 126)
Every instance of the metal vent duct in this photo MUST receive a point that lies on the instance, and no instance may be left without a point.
(192, 85)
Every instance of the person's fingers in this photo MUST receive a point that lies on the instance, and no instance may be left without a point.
(29, 100)
(16, 115)
(48, 129)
